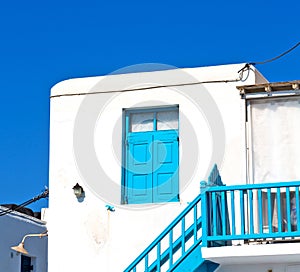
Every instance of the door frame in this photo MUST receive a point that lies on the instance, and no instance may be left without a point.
(126, 125)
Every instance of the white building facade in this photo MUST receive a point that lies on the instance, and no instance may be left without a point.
(139, 144)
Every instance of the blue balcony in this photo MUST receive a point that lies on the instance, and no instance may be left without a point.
(223, 216)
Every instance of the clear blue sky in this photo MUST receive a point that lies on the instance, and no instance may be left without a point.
(44, 42)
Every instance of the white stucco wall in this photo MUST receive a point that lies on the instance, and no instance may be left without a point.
(14, 227)
(84, 236)
(271, 267)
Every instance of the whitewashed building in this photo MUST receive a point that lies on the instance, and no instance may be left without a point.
(138, 145)
(14, 226)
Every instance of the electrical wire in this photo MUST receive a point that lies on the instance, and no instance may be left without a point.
(277, 57)
(26, 203)
(240, 78)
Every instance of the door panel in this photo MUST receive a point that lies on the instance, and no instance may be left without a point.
(165, 172)
(139, 168)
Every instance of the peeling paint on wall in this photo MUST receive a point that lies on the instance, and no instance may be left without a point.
(96, 226)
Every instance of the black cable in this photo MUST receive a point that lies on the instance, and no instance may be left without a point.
(240, 78)
(9, 210)
(277, 57)
(26, 203)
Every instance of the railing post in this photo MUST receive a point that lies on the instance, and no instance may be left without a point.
(203, 186)
(204, 218)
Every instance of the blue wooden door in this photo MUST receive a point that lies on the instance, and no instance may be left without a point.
(151, 167)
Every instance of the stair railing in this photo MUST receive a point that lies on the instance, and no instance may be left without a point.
(180, 238)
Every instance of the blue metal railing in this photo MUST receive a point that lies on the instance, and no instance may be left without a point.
(256, 211)
(188, 237)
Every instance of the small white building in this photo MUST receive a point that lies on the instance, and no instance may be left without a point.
(139, 145)
(14, 226)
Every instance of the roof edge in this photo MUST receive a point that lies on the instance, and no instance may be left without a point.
(269, 87)
(150, 79)
(23, 216)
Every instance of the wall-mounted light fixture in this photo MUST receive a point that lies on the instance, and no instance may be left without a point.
(20, 248)
(78, 191)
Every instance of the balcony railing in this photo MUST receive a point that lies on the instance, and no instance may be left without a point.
(257, 211)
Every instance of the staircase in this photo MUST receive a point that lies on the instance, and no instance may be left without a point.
(178, 247)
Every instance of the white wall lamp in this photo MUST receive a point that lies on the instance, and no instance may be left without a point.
(78, 191)
(20, 248)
